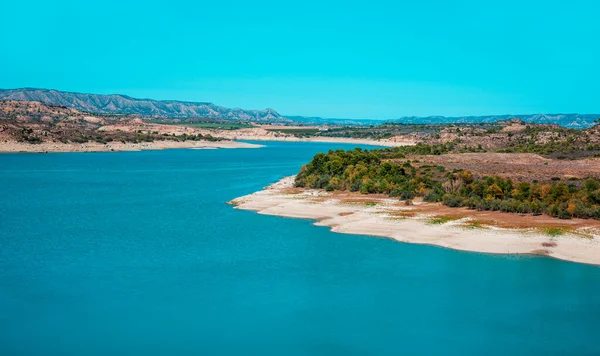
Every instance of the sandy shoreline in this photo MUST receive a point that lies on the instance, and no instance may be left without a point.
(386, 217)
(14, 147)
(257, 133)
(356, 141)
(7, 147)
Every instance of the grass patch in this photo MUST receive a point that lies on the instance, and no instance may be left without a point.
(208, 125)
(555, 231)
(474, 225)
(439, 220)
(370, 203)
(296, 132)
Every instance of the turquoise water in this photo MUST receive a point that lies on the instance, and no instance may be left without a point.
(136, 253)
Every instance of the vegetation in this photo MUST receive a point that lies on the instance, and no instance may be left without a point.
(475, 225)
(508, 136)
(440, 220)
(211, 125)
(371, 172)
(559, 142)
(35, 123)
(555, 231)
(29, 135)
(423, 149)
(298, 132)
(384, 131)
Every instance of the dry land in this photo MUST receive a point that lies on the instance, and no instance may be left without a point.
(12, 146)
(521, 167)
(427, 223)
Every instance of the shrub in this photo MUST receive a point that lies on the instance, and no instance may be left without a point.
(563, 214)
(452, 201)
(406, 195)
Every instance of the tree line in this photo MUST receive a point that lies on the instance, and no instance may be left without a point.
(369, 172)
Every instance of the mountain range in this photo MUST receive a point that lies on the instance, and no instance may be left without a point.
(123, 104)
(575, 121)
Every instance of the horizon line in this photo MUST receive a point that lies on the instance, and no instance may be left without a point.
(515, 116)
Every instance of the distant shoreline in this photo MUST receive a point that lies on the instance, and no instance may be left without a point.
(346, 140)
(352, 213)
(48, 147)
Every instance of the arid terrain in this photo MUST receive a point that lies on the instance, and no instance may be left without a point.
(33, 126)
(430, 223)
(519, 167)
(511, 136)
(29, 126)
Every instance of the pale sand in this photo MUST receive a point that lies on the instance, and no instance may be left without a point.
(12, 146)
(258, 133)
(384, 220)
(394, 142)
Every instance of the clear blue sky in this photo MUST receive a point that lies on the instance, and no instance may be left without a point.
(367, 59)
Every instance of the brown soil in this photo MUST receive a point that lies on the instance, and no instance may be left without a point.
(490, 218)
(292, 191)
(505, 220)
(346, 213)
(517, 166)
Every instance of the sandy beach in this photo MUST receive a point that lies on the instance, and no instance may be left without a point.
(356, 141)
(233, 141)
(12, 146)
(262, 134)
(381, 216)
(256, 133)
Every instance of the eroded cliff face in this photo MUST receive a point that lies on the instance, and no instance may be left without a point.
(122, 104)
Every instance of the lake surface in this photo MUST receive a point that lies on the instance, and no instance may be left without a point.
(137, 253)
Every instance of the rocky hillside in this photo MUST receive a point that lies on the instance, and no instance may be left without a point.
(122, 104)
(517, 136)
(35, 123)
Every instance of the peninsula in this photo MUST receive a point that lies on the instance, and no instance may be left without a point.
(510, 189)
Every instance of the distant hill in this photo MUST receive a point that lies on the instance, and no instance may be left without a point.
(574, 121)
(122, 104)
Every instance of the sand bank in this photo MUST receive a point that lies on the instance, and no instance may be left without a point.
(350, 213)
(257, 133)
(117, 146)
(355, 141)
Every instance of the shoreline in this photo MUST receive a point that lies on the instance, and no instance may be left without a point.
(55, 147)
(347, 140)
(232, 142)
(256, 133)
(379, 216)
